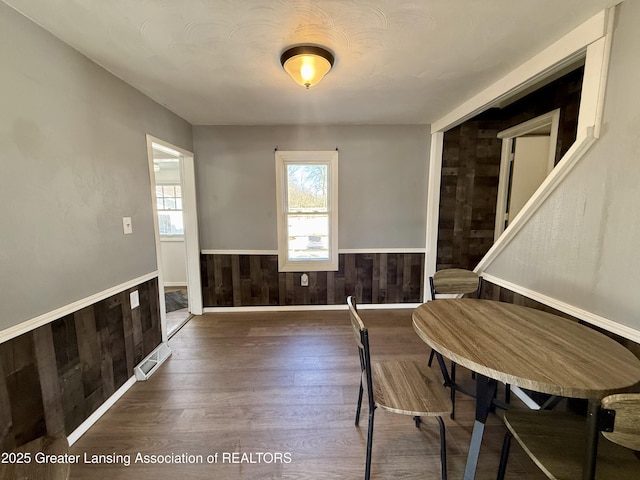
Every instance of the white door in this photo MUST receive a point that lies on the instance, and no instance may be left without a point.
(528, 156)
(529, 168)
(174, 201)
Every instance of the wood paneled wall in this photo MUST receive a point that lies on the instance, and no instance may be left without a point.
(471, 168)
(230, 280)
(468, 193)
(54, 377)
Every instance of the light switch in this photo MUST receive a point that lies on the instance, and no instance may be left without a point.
(134, 299)
(127, 228)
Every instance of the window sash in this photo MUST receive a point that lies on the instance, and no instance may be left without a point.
(169, 210)
(305, 244)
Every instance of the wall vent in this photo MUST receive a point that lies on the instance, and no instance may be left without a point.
(149, 365)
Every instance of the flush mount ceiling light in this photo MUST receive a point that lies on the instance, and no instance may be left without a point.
(307, 64)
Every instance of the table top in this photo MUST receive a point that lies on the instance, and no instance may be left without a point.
(526, 347)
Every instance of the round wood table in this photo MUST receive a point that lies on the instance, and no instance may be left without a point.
(524, 347)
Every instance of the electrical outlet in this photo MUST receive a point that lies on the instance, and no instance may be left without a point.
(304, 280)
(134, 299)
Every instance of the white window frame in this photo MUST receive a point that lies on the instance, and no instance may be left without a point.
(171, 236)
(329, 158)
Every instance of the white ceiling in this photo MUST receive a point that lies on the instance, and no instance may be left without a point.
(217, 62)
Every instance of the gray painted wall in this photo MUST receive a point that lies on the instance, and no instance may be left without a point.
(382, 183)
(73, 162)
(582, 245)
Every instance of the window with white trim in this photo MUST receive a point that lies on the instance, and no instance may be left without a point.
(307, 191)
(169, 203)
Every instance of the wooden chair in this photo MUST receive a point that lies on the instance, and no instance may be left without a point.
(456, 281)
(405, 387)
(453, 281)
(557, 442)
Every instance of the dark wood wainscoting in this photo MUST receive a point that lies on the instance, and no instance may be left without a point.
(54, 377)
(230, 280)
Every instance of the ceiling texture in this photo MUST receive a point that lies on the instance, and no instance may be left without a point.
(217, 62)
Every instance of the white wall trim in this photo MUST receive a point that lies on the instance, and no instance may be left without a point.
(168, 239)
(604, 69)
(192, 235)
(238, 252)
(340, 250)
(595, 79)
(433, 210)
(175, 284)
(48, 317)
(592, 318)
(383, 250)
(554, 58)
(102, 409)
(310, 308)
(550, 118)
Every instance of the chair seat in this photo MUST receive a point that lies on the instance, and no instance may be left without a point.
(409, 388)
(556, 443)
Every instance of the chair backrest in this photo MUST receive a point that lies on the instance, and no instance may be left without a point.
(455, 281)
(361, 335)
(626, 428)
(356, 322)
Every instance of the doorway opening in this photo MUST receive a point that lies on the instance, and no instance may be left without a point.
(175, 220)
(528, 156)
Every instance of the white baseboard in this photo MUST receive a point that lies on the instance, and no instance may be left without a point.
(340, 250)
(102, 409)
(310, 308)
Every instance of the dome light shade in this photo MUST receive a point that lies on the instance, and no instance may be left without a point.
(307, 64)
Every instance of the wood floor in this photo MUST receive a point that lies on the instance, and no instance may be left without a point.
(282, 389)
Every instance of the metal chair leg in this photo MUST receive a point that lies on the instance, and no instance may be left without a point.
(431, 355)
(359, 404)
(417, 420)
(443, 449)
(367, 469)
(453, 391)
(453, 404)
(504, 456)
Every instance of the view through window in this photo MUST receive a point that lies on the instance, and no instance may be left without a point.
(169, 202)
(308, 213)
